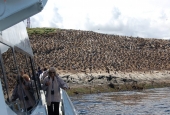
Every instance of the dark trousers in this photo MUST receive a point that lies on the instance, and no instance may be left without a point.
(53, 109)
(29, 108)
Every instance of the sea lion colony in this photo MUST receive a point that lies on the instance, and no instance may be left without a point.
(89, 51)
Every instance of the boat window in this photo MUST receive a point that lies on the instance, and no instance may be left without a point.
(24, 66)
(32, 73)
(9, 74)
(9, 79)
(16, 88)
(2, 78)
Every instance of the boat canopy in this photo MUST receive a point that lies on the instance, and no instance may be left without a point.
(14, 11)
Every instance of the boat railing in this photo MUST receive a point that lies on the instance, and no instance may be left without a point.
(67, 106)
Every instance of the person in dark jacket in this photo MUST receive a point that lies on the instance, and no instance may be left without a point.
(39, 71)
(23, 91)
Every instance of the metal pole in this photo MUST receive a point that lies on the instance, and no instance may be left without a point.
(15, 62)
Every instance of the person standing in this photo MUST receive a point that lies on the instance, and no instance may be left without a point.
(43, 75)
(52, 85)
(23, 91)
(39, 72)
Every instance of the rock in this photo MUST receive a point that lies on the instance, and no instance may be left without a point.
(111, 85)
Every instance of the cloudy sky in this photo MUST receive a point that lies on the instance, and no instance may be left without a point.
(143, 18)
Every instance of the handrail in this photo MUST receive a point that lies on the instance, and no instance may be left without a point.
(68, 107)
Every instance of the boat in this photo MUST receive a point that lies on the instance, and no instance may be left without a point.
(16, 55)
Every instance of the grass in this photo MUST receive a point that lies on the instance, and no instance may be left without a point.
(41, 30)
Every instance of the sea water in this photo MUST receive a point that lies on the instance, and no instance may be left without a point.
(147, 102)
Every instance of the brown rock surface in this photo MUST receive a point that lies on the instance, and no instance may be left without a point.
(87, 51)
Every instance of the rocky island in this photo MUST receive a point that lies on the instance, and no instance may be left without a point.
(92, 62)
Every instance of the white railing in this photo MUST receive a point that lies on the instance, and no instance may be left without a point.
(67, 106)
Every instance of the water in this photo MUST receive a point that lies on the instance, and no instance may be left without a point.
(147, 102)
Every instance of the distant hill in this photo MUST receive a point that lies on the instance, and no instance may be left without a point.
(85, 51)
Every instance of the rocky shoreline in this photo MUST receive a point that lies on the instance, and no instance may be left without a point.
(79, 83)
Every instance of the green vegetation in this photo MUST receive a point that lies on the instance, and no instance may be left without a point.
(105, 88)
(41, 30)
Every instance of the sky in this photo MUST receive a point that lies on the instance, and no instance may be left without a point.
(142, 18)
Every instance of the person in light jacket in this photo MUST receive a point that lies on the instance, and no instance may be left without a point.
(23, 90)
(43, 75)
(52, 85)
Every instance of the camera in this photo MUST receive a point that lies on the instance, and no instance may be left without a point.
(26, 98)
(24, 82)
(52, 92)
